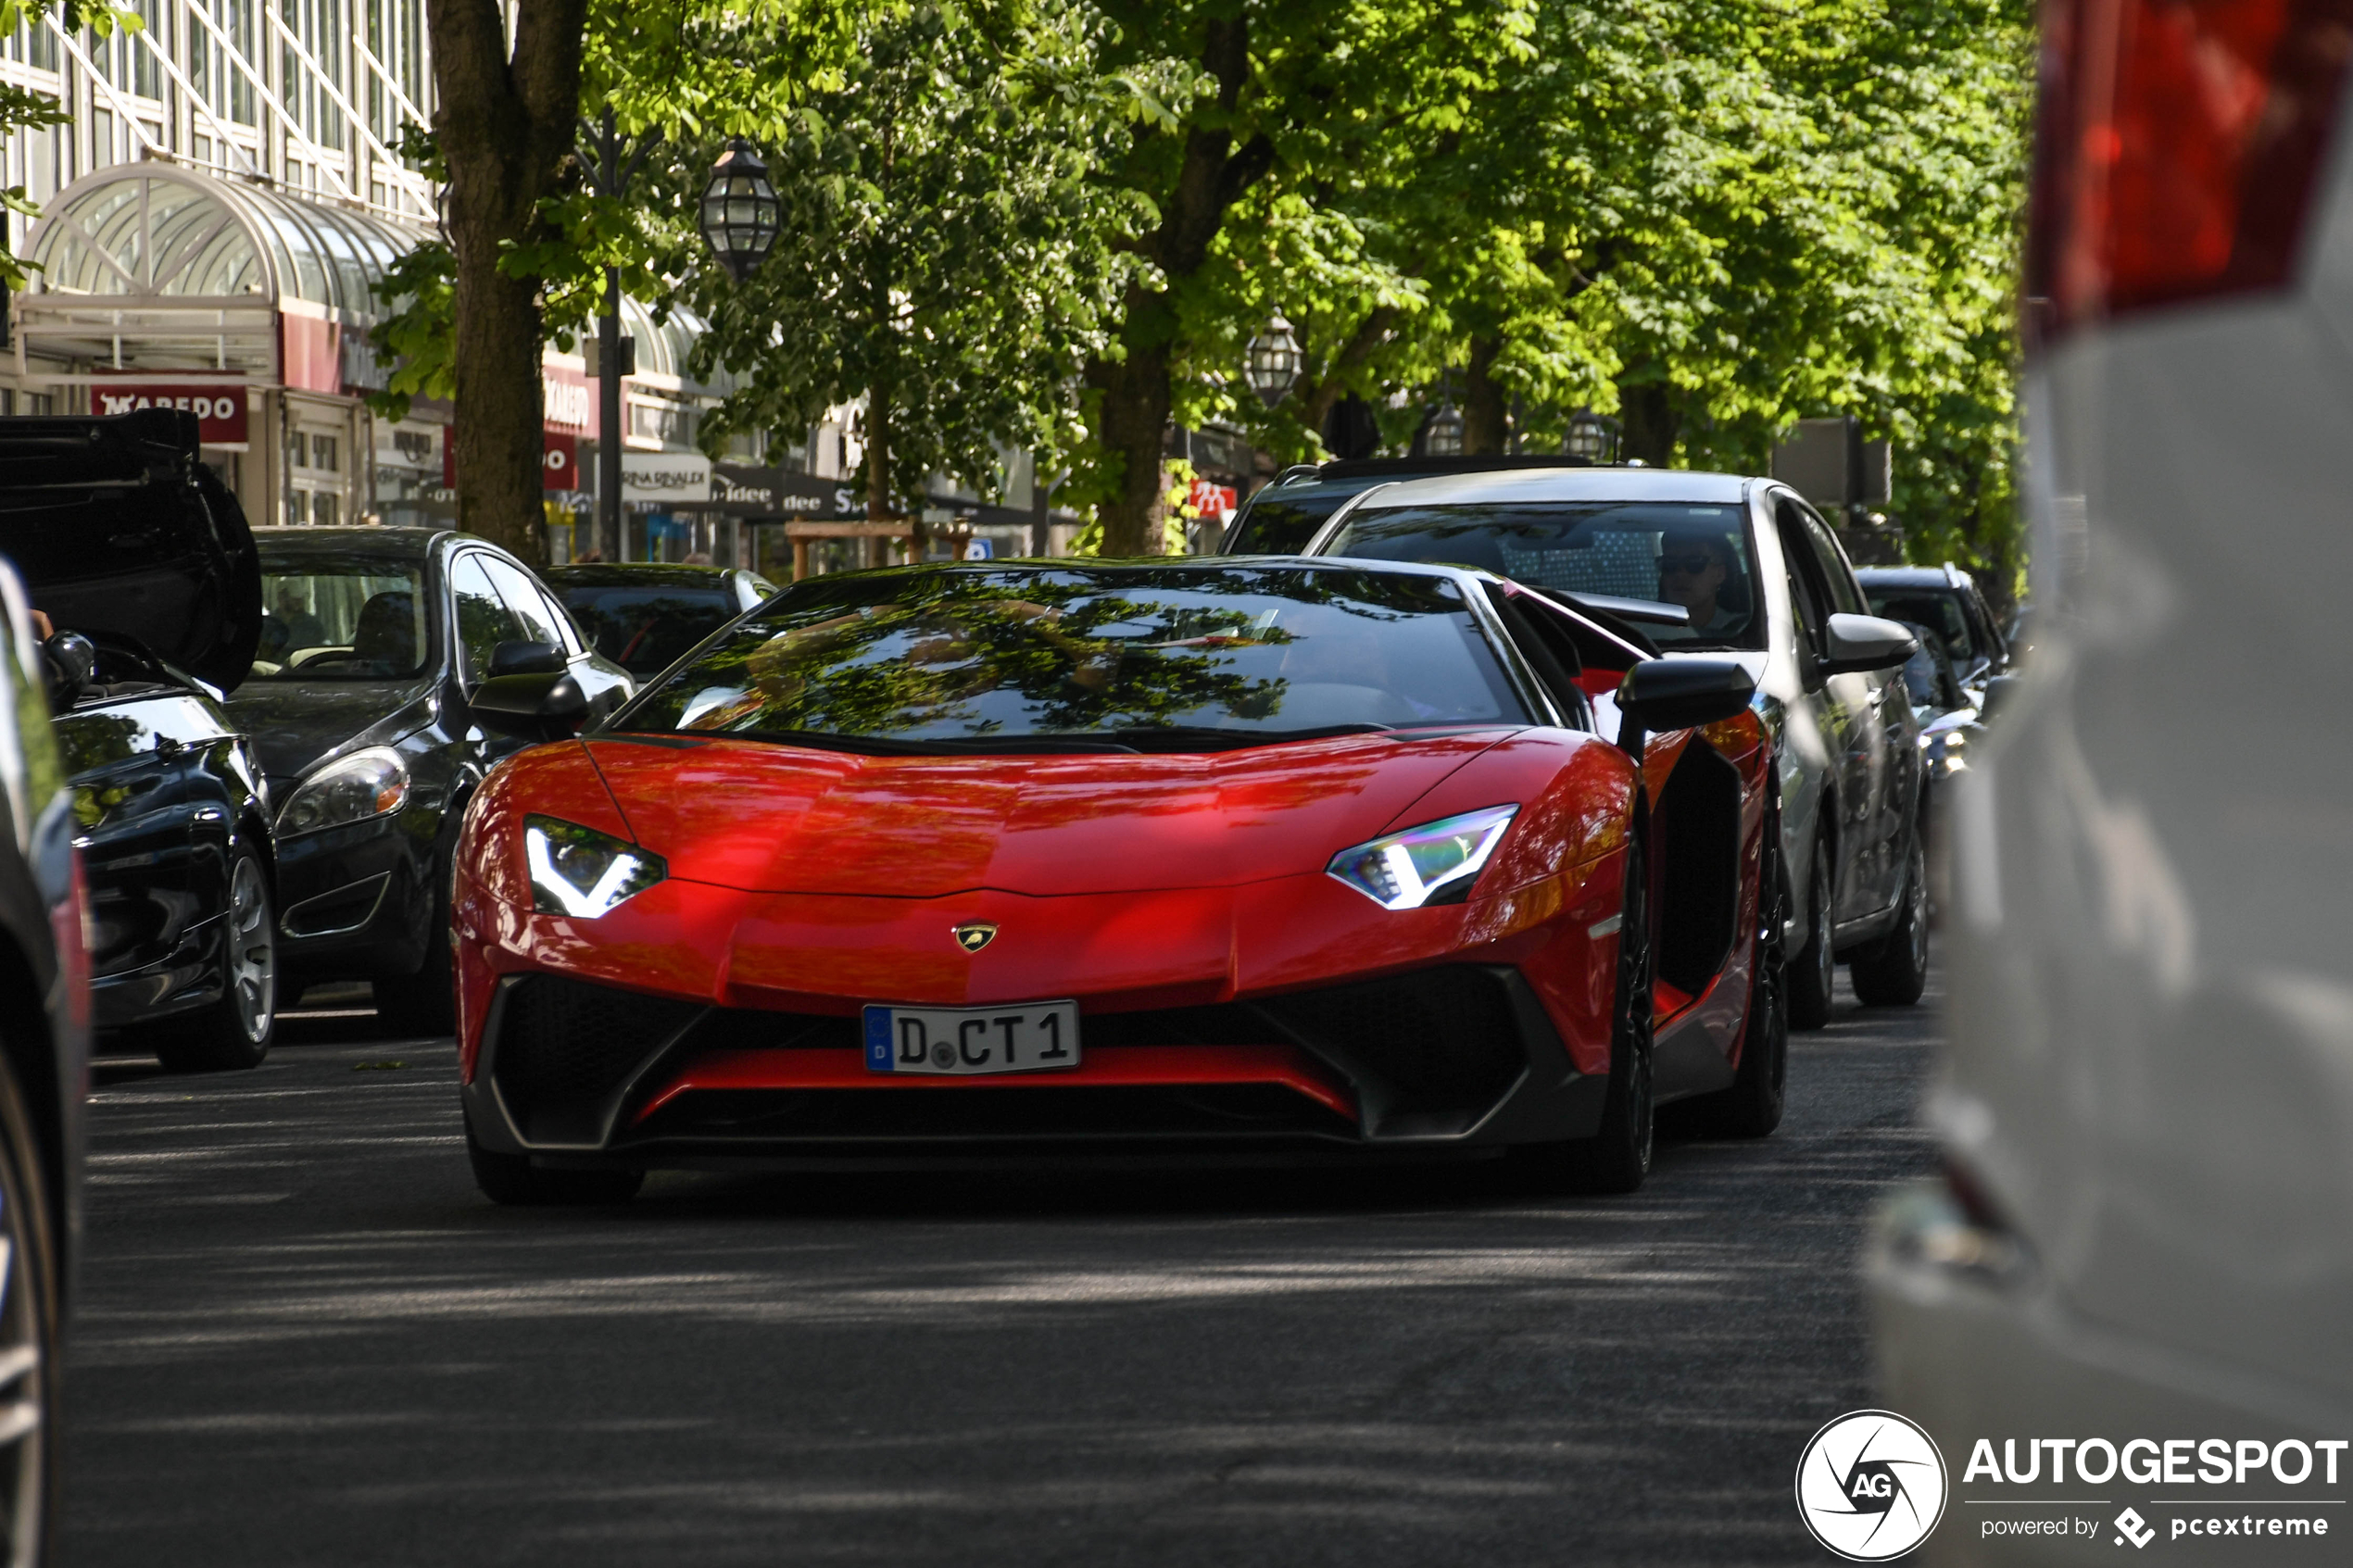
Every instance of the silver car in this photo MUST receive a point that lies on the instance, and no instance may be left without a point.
(1717, 562)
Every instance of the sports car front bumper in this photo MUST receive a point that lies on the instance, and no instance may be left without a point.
(1458, 1055)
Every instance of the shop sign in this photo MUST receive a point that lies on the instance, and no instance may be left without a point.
(219, 410)
(560, 462)
(665, 476)
(564, 399)
(1210, 499)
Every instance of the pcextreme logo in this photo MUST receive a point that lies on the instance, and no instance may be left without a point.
(1870, 1485)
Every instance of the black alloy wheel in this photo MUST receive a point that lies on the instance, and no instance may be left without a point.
(1814, 972)
(1616, 1158)
(1895, 971)
(512, 1181)
(426, 1001)
(1752, 1107)
(235, 1032)
(29, 1338)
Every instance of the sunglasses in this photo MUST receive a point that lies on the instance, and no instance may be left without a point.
(1689, 566)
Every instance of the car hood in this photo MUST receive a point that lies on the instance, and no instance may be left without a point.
(119, 531)
(785, 820)
(295, 725)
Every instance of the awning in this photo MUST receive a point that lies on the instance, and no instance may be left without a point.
(156, 268)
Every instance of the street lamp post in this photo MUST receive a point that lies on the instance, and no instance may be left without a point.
(1592, 436)
(1273, 361)
(740, 210)
(614, 355)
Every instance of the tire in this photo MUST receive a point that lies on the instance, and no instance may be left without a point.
(235, 1032)
(511, 1180)
(426, 1001)
(1616, 1158)
(1812, 974)
(30, 1337)
(1752, 1107)
(1895, 971)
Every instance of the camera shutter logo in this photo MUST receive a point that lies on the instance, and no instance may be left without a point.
(1870, 1485)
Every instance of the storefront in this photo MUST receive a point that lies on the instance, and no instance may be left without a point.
(248, 306)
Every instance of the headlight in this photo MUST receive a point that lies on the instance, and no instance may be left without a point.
(350, 789)
(579, 872)
(1435, 863)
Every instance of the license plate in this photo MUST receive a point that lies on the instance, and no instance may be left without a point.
(964, 1042)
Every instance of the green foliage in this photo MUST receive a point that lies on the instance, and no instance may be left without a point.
(944, 251)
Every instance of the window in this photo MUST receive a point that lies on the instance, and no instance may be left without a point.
(669, 423)
(1845, 596)
(323, 453)
(540, 623)
(484, 620)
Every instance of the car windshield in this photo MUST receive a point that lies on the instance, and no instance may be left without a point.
(341, 618)
(1282, 527)
(646, 629)
(1070, 659)
(1940, 613)
(1693, 556)
(1924, 674)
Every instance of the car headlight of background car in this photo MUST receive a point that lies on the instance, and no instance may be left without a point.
(1434, 863)
(373, 782)
(581, 873)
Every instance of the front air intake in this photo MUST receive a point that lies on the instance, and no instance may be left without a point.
(563, 1050)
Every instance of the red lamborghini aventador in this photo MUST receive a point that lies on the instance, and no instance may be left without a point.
(1296, 858)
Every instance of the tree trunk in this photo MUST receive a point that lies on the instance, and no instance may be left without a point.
(1134, 385)
(1134, 422)
(1650, 422)
(1487, 429)
(505, 125)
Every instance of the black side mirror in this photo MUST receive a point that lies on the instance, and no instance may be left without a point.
(73, 659)
(526, 658)
(536, 707)
(1859, 643)
(1677, 693)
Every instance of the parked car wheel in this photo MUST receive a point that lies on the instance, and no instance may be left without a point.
(425, 1002)
(235, 1032)
(1815, 969)
(30, 1340)
(1895, 973)
(511, 1180)
(1616, 1158)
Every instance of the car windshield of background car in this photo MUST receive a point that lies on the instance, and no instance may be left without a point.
(1940, 613)
(1283, 528)
(1693, 556)
(341, 618)
(646, 629)
(1924, 675)
(1175, 660)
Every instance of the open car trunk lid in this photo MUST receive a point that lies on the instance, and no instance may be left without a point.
(119, 529)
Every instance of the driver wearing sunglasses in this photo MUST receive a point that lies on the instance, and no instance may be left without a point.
(1691, 568)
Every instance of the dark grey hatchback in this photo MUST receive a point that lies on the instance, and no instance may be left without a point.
(373, 642)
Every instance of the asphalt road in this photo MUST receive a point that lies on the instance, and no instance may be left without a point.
(304, 1339)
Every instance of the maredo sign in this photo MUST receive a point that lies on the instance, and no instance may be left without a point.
(219, 410)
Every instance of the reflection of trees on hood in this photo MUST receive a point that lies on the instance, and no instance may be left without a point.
(903, 665)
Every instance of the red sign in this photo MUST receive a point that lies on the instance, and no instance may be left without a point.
(1210, 499)
(560, 460)
(219, 410)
